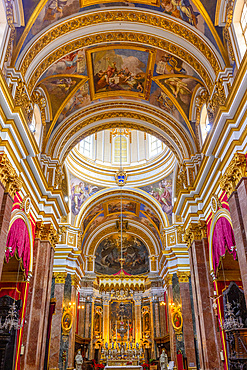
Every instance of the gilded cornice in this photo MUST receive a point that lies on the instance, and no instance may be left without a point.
(8, 177)
(60, 277)
(176, 133)
(183, 276)
(123, 36)
(195, 231)
(233, 174)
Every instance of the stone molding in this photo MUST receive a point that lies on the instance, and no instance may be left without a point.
(233, 174)
(60, 277)
(8, 176)
(195, 231)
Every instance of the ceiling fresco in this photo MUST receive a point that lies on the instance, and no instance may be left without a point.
(198, 14)
(97, 74)
(134, 252)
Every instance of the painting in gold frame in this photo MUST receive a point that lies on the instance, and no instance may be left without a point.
(119, 70)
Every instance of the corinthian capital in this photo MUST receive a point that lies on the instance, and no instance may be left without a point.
(195, 231)
(8, 176)
(233, 174)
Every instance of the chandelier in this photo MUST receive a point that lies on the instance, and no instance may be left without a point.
(11, 320)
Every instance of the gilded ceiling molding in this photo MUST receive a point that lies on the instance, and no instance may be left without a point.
(180, 142)
(10, 21)
(112, 229)
(195, 231)
(233, 174)
(123, 36)
(226, 30)
(8, 176)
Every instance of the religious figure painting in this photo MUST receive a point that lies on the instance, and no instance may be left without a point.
(180, 89)
(80, 192)
(122, 70)
(108, 255)
(125, 206)
(71, 64)
(162, 192)
(58, 89)
(80, 99)
(97, 211)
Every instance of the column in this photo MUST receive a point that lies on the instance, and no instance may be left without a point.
(10, 184)
(234, 183)
(106, 313)
(202, 288)
(138, 317)
(56, 320)
(188, 331)
(71, 350)
(40, 299)
(168, 280)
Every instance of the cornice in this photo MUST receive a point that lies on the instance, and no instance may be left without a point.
(8, 176)
(233, 174)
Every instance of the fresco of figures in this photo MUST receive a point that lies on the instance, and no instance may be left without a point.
(119, 70)
(126, 206)
(162, 192)
(108, 255)
(80, 192)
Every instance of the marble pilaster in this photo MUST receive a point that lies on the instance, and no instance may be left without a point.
(56, 320)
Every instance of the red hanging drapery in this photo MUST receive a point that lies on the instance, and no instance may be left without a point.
(18, 241)
(223, 239)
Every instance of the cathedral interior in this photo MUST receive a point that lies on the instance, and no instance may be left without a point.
(123, 184)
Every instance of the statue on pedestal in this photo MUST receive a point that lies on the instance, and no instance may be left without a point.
(78, 360)
(163, 360)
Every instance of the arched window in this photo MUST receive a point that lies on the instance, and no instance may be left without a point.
(240, 27)
(3, 24)
(86, 147)
(120, 148)
(204, 123)
(243, 21)
(155, 146)
(36, 124)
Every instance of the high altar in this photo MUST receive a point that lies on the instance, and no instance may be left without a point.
(123, 310)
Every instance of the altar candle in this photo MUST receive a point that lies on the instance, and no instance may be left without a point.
(116, 331)
(128, 330)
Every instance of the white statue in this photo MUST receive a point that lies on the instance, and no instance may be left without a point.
(171, 365)
(163, 360)
(79, 360)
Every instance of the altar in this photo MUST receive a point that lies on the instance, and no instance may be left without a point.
(123, 366)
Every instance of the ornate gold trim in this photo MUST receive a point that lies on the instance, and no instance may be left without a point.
(195, 231)
(60, 277)
(77, 119)
(183, 276)
(233, 174)
(135, 39)
(8, 177)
